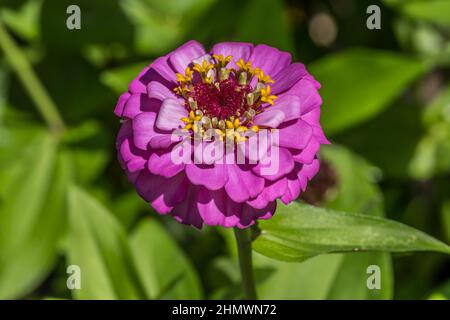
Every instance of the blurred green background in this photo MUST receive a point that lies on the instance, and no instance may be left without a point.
(386, 110)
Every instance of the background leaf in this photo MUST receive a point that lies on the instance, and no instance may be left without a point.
(33, 216)
(299, 232)
(357, 84)
(99, 246)
(335, 276)
(165, 271)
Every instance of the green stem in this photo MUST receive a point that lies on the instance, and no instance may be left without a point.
(30, 81)
(244, 245)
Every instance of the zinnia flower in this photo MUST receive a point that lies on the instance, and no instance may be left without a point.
(236, 91)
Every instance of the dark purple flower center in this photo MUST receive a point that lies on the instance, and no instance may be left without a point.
(223, 99)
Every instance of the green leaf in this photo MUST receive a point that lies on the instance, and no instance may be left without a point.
(118, 79)
(160, 25)
(446, 219)
(249, 24)
(389, 140)
(24, 21)
(99, 246)
(357, 84)
(32, 216)
(435, 11)
(432, 154)
(441, 293)
(165, 271)
(335, 276)
(298, 232)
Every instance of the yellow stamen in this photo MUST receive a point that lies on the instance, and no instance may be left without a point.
(244, 66)
(263, 78)
(266, 96)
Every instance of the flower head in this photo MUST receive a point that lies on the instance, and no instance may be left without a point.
(220, 103)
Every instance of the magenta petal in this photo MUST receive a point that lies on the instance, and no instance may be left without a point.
(298, 179)
(308, 154)
(213, 177)
(138, 103)
(295, 134)
(118, 111)
(274, 167)
(159, 71)
(293, 188)
(238, 50)
(250, 214)
(271, 118)
(287, 77)
(138, 84)
(272, 191)
(143, 129)
(156, 90)
(242, 183)
(269, 59)
(216, 208)
(187, 211)
(183, 56)
(160, 163)
(308, 95)
(162, 193)
(131, 158)
(170, 114)
(145, 133)
(290, 105)
(310, 170)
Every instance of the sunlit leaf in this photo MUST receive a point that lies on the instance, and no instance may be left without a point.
(298, 232)
(436, 11)
(32, 216)
(357, 84)
(99, 246)
(118, 79)
(165, 271)
(335, 276)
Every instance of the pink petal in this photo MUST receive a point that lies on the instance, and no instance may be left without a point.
(274, 167)
(118, 111)
(287, 77)
(308, 94)
(213, 177)
(187, 211)
(289, 105)
(272, 191)
(160, 163)
(138, 103)
(295, 134)
(156, 90)
(183, 56)
(216, 208)
(145, 132)
(238, 50)
(269, 59)
(271, 118)
(170, 114)
(162, 193)
(250, 214)
(242, 183)
(131, 158)
(308, 154)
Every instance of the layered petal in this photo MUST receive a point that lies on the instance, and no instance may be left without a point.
(185, 54)
(170, 114)
(238, 50)
(269, 59)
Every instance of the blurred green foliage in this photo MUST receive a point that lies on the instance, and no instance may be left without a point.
(64, 199)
